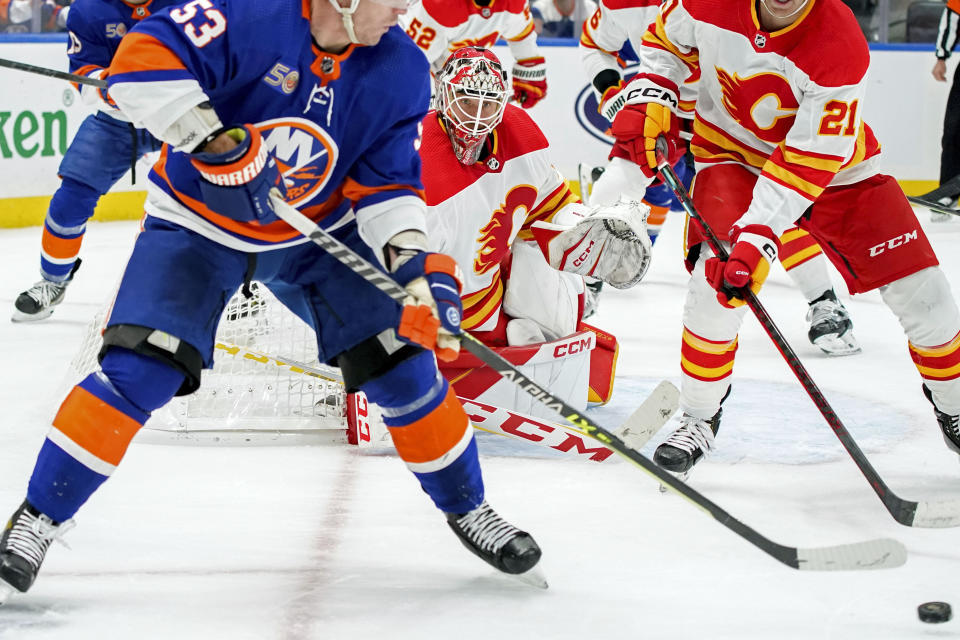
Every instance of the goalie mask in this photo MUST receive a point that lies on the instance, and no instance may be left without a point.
(471, 95)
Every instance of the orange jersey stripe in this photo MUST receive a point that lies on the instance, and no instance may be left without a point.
(142, 52)
(434, 435)
(354, 191)
(95, 426)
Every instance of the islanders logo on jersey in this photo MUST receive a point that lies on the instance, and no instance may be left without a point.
(305, 153)
(762, 103)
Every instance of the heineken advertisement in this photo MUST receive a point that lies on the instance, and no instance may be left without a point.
(39, 116)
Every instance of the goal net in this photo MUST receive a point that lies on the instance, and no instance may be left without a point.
(266, 383)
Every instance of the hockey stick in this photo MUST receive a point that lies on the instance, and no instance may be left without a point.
(52, 73)
(870, 554)
(921, 201)
(636, 430)
(950, 188)
(944, 513)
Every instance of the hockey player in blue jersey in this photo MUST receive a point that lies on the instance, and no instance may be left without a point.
(320, 100)
(105, 147)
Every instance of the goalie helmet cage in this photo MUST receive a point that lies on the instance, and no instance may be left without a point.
(255, 393)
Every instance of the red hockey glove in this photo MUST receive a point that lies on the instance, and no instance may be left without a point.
(754, 248)
(529, 81)
(237, 183)
(647, 115)
(612, 100)
(430, 316)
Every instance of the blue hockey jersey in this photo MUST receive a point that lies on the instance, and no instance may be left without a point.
(95, 28)
(344, 128)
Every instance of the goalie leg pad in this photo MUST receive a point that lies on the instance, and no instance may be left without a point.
(93, 428)
(430, 431)
(536, 291)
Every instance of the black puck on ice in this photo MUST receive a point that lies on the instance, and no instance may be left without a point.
(934, 612)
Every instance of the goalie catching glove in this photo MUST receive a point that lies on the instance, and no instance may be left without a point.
(430, 315)
(609, 242)
(754, 248)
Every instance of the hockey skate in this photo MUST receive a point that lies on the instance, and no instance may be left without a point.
(24, 545)
(946, 202)
(831, 328)
(37, 302)
(688, 444)
(498, 543)
(949, 424)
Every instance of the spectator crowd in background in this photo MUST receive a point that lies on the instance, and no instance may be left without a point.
(29, 16)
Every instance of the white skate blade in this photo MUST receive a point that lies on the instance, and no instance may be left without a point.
(682, 477)
(20, 316)
(6, 591)
(842, 345)
(585, 183)
(533, 577)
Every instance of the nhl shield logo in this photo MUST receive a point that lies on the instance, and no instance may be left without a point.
(760, 40)
(493, 164)
(141, 12)
(485, 12)
(327, 65)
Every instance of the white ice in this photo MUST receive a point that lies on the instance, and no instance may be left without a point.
(291, 543)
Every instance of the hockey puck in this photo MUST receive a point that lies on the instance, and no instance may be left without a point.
(934, 612)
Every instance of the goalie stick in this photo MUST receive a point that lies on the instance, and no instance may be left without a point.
(879, 553)
(52, 73)
(636, 430)
(943, 513)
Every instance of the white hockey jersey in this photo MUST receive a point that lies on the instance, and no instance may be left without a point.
(615, 23)
(439, 27)
(787, 103)
(475, 213)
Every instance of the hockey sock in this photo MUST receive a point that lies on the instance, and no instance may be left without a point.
(66, 222)
(93, 428)
(431, 432)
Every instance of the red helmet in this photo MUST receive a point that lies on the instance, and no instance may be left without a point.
(471, 95)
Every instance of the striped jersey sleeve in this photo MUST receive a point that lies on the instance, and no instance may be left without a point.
(947, 34)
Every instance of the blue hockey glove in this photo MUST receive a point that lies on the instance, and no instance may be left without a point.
(237, 183)
(430, 316)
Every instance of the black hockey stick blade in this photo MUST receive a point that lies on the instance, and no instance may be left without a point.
(944, 513)
(923, 201)
(872, 554)
(52, 73)
(949, 189)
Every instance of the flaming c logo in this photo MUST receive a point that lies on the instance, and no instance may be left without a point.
(485, 42)
(763, 103)
(495, 236)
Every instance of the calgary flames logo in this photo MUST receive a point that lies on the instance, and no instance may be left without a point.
(484, 42)
(305, 154)
(495, 236)
(763, 103)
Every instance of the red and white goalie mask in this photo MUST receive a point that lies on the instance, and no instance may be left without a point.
(471, 95)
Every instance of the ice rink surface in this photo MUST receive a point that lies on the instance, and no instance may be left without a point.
(291, 543)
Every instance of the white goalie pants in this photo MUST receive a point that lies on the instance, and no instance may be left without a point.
(922, 301)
